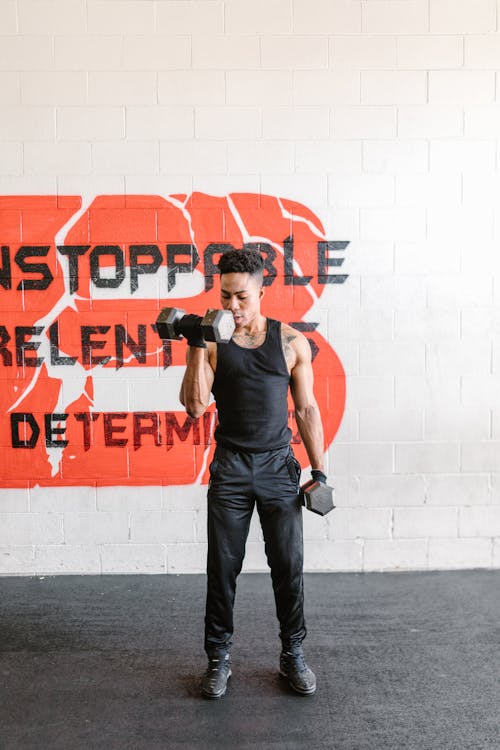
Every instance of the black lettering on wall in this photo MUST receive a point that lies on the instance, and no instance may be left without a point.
(22, 332)
(26, 419)
(5, 270)
(175, 266)
(86, 418)
(55, 358)
(182, 431)
(110, 429)
(153, 428)
(325, 262)
(51, 431)
(4, 352)
(115, 252)
(207, 422)
(137, 348)
(88, 345)
(73, 252)
(34, 251)
(290, 278)
(166, 348)
(135, 252)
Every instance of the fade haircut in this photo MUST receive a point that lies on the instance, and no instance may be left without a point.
(242, 261)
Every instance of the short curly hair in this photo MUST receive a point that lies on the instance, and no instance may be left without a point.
(242, 261)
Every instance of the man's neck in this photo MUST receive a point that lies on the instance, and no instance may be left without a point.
(257, 325)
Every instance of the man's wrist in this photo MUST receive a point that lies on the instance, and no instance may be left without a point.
(318, 476)
(197, 343)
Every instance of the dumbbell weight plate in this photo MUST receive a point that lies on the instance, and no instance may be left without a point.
(165, 323)
(218, 325)
(318, 497)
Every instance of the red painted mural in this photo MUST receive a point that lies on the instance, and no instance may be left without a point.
(89, 393)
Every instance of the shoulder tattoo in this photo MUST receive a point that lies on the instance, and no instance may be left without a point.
(287, 337)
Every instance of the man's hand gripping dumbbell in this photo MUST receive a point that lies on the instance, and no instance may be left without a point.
(316, 494)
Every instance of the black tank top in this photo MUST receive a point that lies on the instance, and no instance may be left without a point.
(250, 389)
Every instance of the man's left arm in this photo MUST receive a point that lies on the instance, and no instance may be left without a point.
(307, 412)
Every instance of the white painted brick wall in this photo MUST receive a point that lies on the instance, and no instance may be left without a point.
(482, 121)
(51, 16)
(122, 87)
(381, 116)
(396, 157)
(127, 17)
(459, 490)
(430, 52)
(462, 16)
(362, 51)
(133, 558)
(56, 158)
(90, 52)
(394, 17)
(11, 158)
(425, 522)
(204, 87)
(321, 87)
(229, 123)
(225, 51)
(198, 157)
(190, 17)
(156, 53)
(261, 17)
(81, 123)
(393, 87)
(258, 87)
(430, 121)
(395, 554)
(135, 157)
(26, 53)
(52, 87)
(8, 18)
(460, 553)
(11, 87)
(461, 87)
(425, 391)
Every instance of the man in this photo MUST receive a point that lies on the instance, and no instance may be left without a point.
(254, 463)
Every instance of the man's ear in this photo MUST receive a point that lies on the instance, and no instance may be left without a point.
(261, 292)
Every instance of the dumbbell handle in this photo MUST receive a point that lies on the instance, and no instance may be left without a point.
(216, 325)
(185, 325)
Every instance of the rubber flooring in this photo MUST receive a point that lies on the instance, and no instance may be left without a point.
(404, 661)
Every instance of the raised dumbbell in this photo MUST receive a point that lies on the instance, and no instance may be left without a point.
(317, 497)
(216, 325)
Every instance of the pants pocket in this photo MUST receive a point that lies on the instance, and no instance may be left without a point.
(294, 469)
(212, 470)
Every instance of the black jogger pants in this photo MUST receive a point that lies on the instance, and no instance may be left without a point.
(238, 480)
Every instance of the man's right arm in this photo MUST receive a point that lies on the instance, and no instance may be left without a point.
(197, 381)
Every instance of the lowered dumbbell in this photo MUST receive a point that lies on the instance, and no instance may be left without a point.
(216, 325)
(317, 497)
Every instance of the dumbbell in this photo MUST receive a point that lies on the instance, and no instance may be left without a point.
(216, 325)
(317, 497)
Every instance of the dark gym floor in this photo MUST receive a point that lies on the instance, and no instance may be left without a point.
(403, 661)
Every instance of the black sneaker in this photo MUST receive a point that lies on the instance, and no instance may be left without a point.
(294, 668)
(214, 681)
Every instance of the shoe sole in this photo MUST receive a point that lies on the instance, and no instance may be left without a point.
(310, 691)
(213, 696)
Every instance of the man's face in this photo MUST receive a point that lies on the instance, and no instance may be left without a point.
(241, 293)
